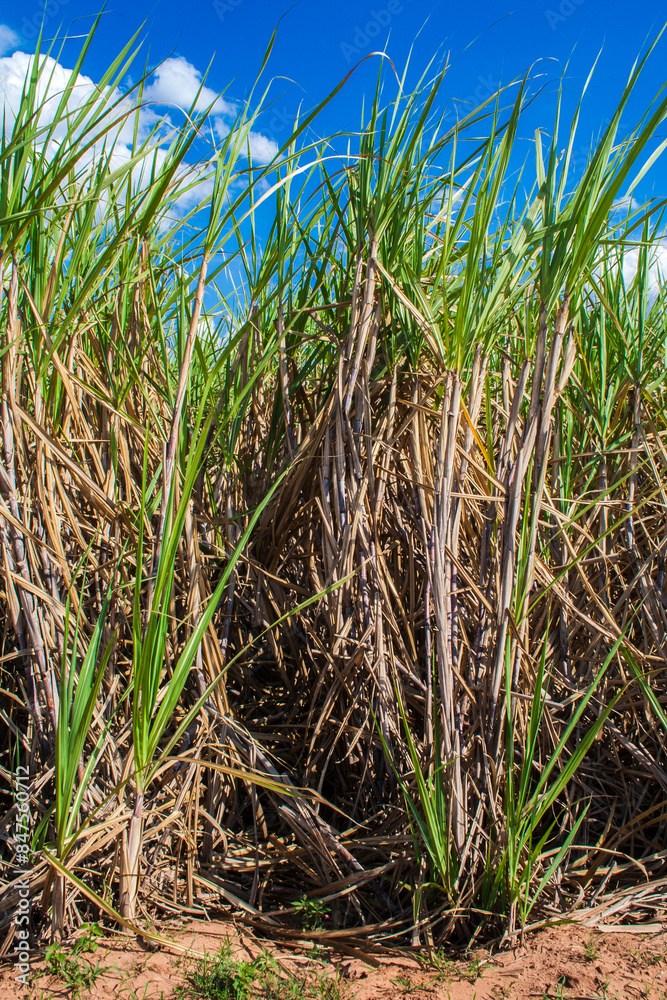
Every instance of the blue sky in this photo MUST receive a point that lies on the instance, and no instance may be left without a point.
(318, 43)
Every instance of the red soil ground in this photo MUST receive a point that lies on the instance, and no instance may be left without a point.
(572, 962)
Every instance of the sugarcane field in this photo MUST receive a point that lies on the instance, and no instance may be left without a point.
(333, 506)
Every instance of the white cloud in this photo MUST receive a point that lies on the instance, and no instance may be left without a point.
(177, 82)
(262, 149)
(52, 81)
(8, 39)
(111, 136)
(657, 268)
(627, 203)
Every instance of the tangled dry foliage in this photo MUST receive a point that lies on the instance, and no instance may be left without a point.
(354, 589)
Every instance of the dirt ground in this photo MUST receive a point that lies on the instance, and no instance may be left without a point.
(572, 963)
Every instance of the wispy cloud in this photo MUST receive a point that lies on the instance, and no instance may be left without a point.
(626, 203)
(657, 267)
(262, 149)
(8, 39)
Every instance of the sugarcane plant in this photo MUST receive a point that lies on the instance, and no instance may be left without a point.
(332, 503)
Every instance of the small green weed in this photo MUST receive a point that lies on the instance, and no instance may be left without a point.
(558, 995)
(312, 913)
(405, 983)
(592, 948)
(90, 935)
(330, 988)
(644, 957)
(475, 967)
(219, 978)
(225, 978)
(143, 995)
(445, 969)
(409, 985)
(126, 991)
(67, 965)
